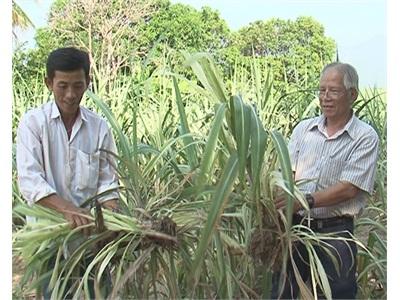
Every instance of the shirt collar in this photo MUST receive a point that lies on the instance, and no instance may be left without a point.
(349, 127)
(55, 113)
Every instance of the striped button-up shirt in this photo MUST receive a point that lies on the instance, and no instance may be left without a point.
(75, 169)
(321, 161)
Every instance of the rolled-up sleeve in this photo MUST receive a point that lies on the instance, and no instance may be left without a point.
(31, 175)
(108, 180)
(360, 168)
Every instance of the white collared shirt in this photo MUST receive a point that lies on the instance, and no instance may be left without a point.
(350, 155)
(75, 169)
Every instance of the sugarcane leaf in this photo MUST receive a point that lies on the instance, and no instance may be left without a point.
(241, 117)
(210, 148)
(218, 201)
(184, 128)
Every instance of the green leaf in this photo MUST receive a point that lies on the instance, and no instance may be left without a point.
(205, 70)
(125, 147)
(241, 118)
(190, 147)
(210, 148)
(286, 169)
(218, 202)
(257, 150)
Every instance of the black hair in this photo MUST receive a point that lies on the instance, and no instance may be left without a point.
(67, 59)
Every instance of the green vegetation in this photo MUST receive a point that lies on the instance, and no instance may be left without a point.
(201, 150)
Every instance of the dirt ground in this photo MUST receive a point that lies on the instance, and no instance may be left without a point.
(17, 271)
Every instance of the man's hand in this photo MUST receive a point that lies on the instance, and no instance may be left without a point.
(280, 201)
(77, 217)
(111, 204)
(74, 215)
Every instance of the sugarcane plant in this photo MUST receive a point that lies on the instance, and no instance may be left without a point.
(197, 217)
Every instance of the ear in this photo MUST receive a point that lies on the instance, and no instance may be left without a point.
(353, 94)
(49, 83)
(88, 81)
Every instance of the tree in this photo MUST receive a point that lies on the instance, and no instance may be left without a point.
(19, 18)
(118, 33)
(107, 29)
(183, 27)
(295, 50)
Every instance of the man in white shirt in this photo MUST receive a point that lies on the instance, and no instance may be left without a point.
(60, 157)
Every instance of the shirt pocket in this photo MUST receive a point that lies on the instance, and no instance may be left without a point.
(87, 169)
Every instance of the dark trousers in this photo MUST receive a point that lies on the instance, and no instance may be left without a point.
(343, 284)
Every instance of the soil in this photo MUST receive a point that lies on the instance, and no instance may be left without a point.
(17, 271)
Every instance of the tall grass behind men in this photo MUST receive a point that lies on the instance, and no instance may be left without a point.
(59, 161)
(337, 154)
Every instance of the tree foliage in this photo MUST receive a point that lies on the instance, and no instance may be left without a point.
(107, 29)
(19, 18)
(119, 33)
(295, 50)
(183, 27)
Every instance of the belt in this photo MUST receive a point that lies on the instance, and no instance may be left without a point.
(317, 224)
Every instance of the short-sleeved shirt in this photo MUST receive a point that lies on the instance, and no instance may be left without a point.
(320, 161)
(76, 168)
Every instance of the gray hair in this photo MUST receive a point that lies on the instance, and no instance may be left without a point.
(350, 76)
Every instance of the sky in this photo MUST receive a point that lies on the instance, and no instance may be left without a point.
(357, 26)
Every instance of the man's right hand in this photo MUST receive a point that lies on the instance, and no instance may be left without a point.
(74, 215)
(280, 201)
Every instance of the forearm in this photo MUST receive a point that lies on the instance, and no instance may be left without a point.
(111, 204)
(335, 194)
(57, 203)
(74, 215)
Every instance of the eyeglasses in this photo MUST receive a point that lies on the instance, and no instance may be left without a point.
(331, 93)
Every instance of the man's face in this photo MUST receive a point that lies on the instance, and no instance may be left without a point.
(335, 101)
(68, 88)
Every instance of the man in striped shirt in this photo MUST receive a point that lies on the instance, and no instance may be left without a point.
(336, 155)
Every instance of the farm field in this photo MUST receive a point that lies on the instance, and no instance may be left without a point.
(202, 150)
